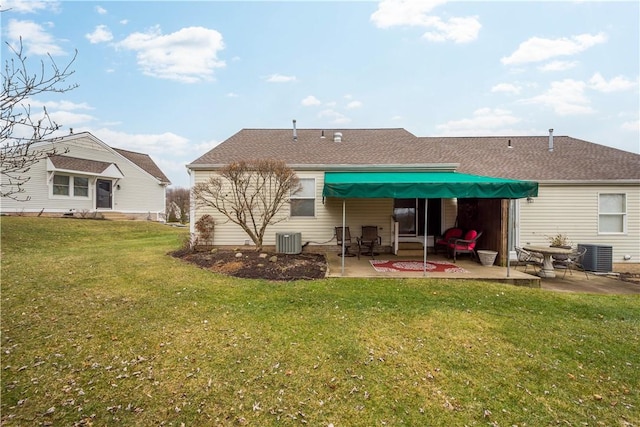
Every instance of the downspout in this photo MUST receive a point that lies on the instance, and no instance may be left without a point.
(192, 203)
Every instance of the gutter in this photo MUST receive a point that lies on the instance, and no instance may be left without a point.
(449, 167)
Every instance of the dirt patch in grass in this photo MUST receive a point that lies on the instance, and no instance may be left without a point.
(258, 265)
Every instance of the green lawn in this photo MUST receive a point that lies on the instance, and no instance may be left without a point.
(100, 326)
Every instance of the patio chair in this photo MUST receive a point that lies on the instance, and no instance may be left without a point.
(443, 241)
(573, 261)
(528, 259)
(368, 240)
(347, 241)
(464, 246)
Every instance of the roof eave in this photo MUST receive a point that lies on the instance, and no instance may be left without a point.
(348, 167)
(590, 182)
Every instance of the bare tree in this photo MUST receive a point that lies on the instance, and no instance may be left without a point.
(250, 193)
(178, 203)
(20, 128)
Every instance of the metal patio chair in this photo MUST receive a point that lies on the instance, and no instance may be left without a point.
(369, 240)
(528, 259)
(347, 241)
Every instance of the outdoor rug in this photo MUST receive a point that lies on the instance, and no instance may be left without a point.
(385, 266)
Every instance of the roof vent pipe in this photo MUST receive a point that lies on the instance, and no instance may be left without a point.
(295, 132)
(322, 134)
(550, 140)
(510, 146)
(337, 137)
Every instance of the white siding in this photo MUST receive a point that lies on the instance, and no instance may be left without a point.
(573, 210)
(138, 193)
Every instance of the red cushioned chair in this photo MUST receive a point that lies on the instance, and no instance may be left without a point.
(464, 246)
(442, 242)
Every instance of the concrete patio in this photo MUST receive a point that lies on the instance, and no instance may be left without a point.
(576, 282)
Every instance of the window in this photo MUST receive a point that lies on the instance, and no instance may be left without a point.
(303, 201)
(80, 187)
(612, 213)
(65, 185)
(61, 185)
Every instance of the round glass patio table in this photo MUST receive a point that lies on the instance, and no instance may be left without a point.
(547, 253)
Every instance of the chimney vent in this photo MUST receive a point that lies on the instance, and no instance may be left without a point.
(550, 140)
(337, 137)
(295, 132)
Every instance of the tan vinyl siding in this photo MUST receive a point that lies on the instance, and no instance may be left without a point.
(573, 210)
(318, 230)
(450, 213)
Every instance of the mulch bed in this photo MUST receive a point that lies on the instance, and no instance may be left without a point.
(258, 265)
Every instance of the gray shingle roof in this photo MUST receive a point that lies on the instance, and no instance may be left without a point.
(77, 164)
(528, 159)
(146, 163)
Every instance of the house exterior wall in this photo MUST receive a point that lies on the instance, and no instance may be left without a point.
(317, 230)
(139, 195)
(573, 210)
(449, 213)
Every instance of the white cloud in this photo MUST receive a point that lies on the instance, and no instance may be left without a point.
(633, 126)
(35, 39)
(101, 10)
(101, 34)
(310, 101)
(416, 13)
(169, 151)
(22, 6)
(616, 84)
(60, 105)
(189, 55)
(558, 66)
(506, 88)
(354, 104)
(485, 121)
(458, 30)
(334, 116)
(65, 113)
(232, 95)
(279, 78)
(565, 97)
(393, 13)
(538, 49)
(152, 144)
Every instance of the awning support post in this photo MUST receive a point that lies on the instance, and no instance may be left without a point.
(509, 225)
(424, 244)
(344, 218)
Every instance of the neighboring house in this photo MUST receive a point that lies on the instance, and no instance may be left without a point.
(588, 191)
(86, 176)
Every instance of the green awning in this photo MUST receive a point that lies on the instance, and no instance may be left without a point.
(428, 185)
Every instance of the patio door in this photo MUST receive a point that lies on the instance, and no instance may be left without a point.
(405, 211)
(104, 194)
(409, 213)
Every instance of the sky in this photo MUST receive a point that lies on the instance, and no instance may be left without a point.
(174, 79)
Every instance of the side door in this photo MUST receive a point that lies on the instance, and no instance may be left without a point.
(104, 194)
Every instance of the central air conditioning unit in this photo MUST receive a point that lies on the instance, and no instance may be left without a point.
(598, 258)
(288, 243)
